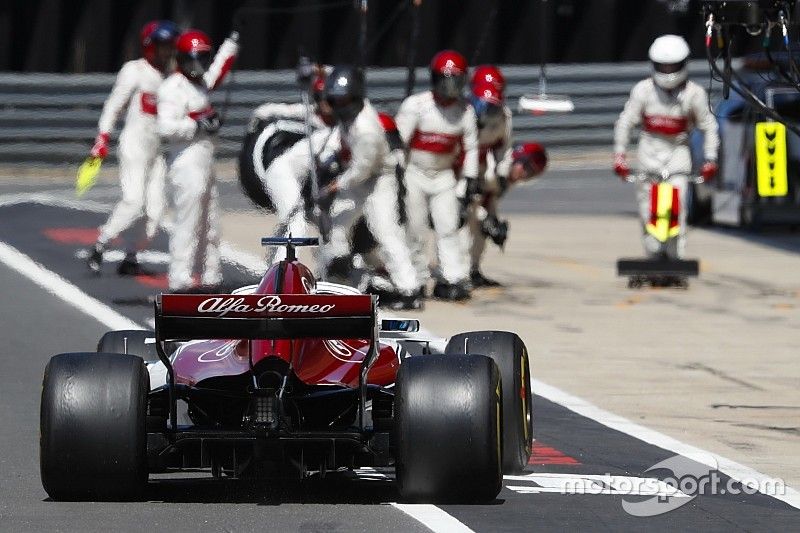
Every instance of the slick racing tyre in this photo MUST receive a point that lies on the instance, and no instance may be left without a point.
(93, 440)
(508, 352)
(447, 429)
(130, 341)
(261, 145)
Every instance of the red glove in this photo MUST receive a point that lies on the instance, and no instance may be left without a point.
(709, 170)
(100, 148)
(621, 167)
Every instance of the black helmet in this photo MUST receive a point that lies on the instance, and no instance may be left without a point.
(344, 92)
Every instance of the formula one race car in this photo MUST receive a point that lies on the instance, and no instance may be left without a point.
(297, 374)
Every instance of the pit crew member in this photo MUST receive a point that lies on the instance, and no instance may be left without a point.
(189, 124)
(435, 125)
(141, 165)
(367, 186)
(667, 106)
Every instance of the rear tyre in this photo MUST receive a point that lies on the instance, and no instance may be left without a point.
(93, 440)
(447, 424)
(508, 352)
(130, 341)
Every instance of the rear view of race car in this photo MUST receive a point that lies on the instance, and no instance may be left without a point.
(285, 376)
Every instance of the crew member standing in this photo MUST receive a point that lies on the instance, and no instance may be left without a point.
(435, 125)
(668, 106)
(141, 165)
(189, 124)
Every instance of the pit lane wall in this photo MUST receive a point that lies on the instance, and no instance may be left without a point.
(52, 118)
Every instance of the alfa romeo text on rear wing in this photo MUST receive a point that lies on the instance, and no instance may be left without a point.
(259, 316)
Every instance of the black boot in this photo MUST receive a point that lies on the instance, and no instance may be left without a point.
(454, 292)
(411, 302)
(95, 260)
(130, 266)
(479, 280)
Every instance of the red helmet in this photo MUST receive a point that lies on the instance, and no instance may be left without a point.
(487, 102)
(154, 33)
(490, 74)
(194, 53)
(193, 42)
(487, 92)
(448, 74)
(532, 156)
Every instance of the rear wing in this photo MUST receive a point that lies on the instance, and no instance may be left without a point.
(184, 317)
(181, 317)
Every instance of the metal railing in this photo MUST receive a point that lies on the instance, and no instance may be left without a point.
(52, 118)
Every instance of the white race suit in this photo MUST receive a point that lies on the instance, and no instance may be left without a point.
(141, 165)
(190, 158)
(368, 186)
(494, 158)
(434, 134)
(666, 119)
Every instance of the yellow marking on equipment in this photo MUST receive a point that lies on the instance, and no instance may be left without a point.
(771, 174)
(87, 175)
(661, 230)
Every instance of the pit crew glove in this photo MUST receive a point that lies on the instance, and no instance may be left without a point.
(473, 188)
(621, 167)
(100, 148)
(709, 170)
(209, 123)
(502, 185)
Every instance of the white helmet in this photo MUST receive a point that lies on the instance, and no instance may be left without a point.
(669, 54)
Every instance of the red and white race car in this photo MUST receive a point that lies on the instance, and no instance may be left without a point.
(292, 372)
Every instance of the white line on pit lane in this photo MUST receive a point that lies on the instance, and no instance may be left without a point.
(230, 254)
(63, 289)
(428, 515)
(736, 471)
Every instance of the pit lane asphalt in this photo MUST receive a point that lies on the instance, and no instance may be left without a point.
(36, 325)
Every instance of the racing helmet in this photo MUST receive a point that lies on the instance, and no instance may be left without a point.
(194, 54)
(532, 156)
(448, 75)
(489, 74)
(157, 38)
(344, 92)
(669, 54)
(487, 101)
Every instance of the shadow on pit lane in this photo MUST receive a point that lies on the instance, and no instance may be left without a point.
(786, 238)
(335, 488)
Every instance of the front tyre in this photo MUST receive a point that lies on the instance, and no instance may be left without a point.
(93, 439)
(508, 352)
(447, 424)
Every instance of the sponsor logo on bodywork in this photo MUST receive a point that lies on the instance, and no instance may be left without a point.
(221, 306)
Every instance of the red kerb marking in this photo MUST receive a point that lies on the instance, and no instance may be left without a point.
(83, 236)
(545, 455)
